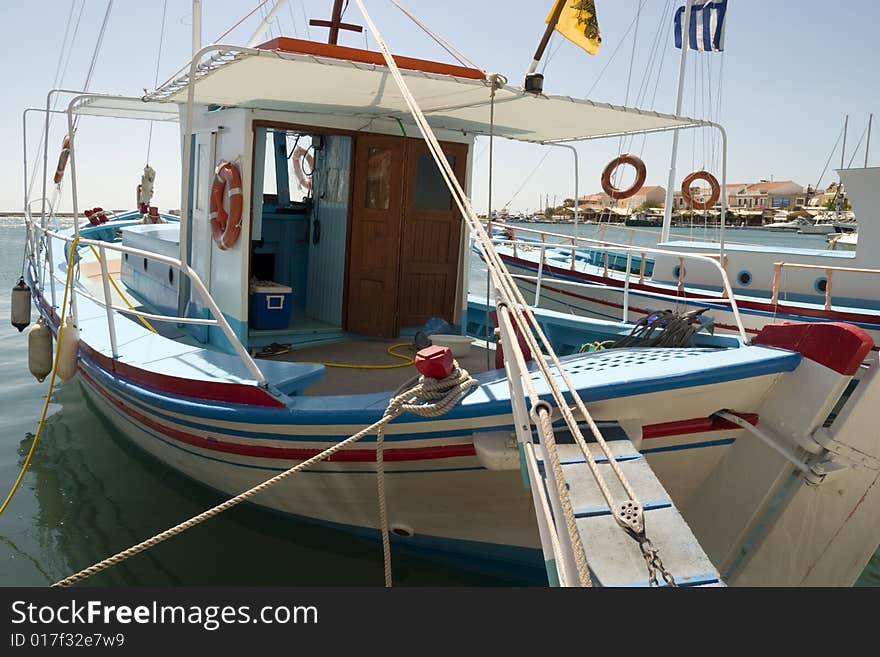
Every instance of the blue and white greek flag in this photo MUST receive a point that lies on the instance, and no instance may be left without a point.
(706, 26)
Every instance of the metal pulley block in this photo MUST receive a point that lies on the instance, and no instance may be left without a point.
(631, 516)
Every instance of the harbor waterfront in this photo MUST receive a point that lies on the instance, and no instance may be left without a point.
(89, 494)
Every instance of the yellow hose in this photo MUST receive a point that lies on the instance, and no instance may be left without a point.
(27, 460)
(390, 351)
(119, 292)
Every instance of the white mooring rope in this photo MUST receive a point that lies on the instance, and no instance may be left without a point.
(511, 300)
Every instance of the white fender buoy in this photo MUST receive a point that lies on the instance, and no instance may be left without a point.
(68, 348)
(40, 350)
(21, 305)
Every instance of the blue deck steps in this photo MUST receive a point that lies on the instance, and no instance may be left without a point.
(613, 556)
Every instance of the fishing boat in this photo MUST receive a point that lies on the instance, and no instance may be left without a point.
(755, 457)
(591, 277)
(771, 283)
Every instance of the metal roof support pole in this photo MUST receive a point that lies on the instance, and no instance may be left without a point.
(185, 218)
(723, 190)
(49, 95)
(575, 153)
(685, 38)
(71, 259)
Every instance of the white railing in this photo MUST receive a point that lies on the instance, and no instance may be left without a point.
(218, 319)
(829, 276)
(713, 260)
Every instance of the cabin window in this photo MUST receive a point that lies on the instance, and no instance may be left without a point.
(431, 192)
(744, 278)
(378, 188)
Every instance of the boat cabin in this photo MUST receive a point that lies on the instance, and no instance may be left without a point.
(347, 226)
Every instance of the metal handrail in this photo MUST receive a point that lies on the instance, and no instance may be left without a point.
(727, 295)
(194, 278)
(829, 273)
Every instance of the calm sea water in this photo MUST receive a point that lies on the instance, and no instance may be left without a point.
(89, 494)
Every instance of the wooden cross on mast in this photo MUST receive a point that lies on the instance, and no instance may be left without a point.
(335, 23)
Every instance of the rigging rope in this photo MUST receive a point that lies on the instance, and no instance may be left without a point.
(156, 76)
(448, 47)
(57, 84)
(241, 20)
(511, 300)
(95, 54)
(828, 161)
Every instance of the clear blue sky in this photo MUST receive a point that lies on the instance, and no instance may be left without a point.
(791, 71)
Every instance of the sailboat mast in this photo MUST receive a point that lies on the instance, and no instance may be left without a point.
(868, 142)
(685, 39)
(838, 197)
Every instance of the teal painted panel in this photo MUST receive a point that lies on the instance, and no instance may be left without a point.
(329, 228)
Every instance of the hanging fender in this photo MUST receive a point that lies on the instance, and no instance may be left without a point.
(305, 180)
(706, 177)
(225, 228)
(62, 160)
(641, 174)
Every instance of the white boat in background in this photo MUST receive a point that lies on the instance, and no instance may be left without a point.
(788, 225)
(754, 461)
(844, 242)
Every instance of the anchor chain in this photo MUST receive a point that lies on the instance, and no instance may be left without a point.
(655, 565)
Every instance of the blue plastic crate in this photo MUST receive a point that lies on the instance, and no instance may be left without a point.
(270, 306)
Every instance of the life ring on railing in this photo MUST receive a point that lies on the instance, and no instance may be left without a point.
(641, 174)
(305, 180)
(62, 160)
(225, 228)
(706, 177)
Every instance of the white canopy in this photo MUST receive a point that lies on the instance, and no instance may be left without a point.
(125, 108)
(276, 80)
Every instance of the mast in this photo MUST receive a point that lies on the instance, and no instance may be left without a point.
(838, 197)
(868, 142)
(196, 26)
(685, 40)
(554, 19)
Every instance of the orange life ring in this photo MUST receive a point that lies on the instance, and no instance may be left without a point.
(641, 173)
(62, 160)
(305, 181)
(713, 184)
(225, 228)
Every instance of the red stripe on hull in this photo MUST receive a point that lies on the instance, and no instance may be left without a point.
(695, 425)
(286, 453)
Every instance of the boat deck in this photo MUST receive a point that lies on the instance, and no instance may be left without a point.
(364, 352)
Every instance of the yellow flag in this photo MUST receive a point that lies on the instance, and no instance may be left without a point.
(578, 23)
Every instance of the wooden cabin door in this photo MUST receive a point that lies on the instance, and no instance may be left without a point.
(374, 246)
(431, 236)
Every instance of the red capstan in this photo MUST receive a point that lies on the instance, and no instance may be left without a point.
(434, 362)
(154, 214)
